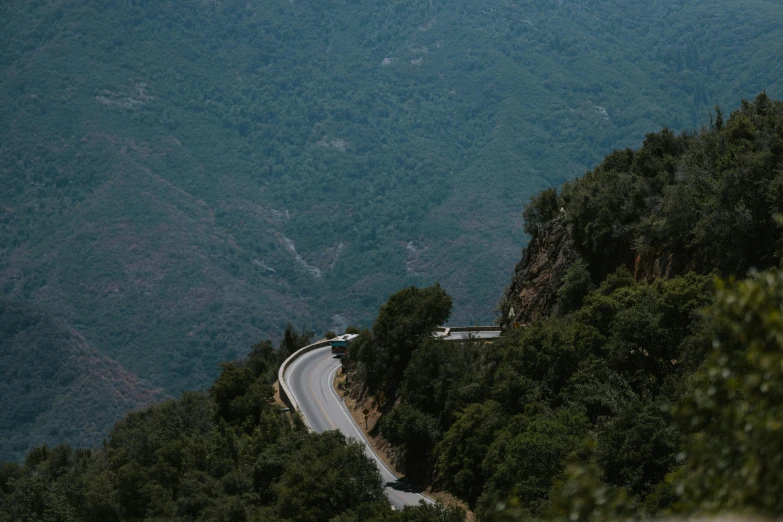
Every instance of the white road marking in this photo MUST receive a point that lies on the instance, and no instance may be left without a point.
(352, 423)
(362, 438)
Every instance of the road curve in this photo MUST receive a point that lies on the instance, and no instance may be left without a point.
(310, 379)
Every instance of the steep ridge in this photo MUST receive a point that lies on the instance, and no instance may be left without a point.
(200, 164)
(55, 387)
(532, 293)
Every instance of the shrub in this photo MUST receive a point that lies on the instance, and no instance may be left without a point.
(542, 207)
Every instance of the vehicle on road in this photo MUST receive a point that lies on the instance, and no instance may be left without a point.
(340, 344)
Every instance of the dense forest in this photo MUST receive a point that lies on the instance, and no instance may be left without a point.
(648, 389)
(181, 179)
(55, 386)
(225, 455)
(651, 387)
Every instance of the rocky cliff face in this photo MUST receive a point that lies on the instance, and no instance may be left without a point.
(532, 293)
(649, 266)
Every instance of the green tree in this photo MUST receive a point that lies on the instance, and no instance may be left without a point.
(324, 477)
(34, 499)
(437, 376)
(576, 284)
(416, 433)
(638, 447)
(541, 208)
(734, 410)
(293, 340)
(407, 319)
(525, 465)
(464, 447)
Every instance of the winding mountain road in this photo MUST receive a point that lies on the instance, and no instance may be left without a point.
(308, 381)
(310, 378)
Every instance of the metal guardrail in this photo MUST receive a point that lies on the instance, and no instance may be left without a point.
(463, 333)
(473, 329)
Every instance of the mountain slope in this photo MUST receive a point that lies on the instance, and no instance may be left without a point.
(630, 379)
(55, 387)
(182, 178)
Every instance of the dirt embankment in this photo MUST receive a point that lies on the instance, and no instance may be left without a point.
(358, 405)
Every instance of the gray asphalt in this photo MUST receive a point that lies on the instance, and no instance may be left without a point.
(310, 378)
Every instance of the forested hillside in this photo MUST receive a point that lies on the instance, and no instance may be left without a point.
(181, 179)
(227, 455)
(648, 386)
(639, 393)
(55, 387)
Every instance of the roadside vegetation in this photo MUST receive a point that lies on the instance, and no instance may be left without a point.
(651, 389)
(176, 175)
(225, 455)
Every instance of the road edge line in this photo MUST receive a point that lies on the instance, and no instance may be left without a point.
(358, 430)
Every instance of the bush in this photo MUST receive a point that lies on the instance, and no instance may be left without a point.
(415, 432)
(576, 285)
(543, 207)
(735, 407)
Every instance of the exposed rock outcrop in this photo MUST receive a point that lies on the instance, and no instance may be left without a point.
(532, 293)
(650, 266)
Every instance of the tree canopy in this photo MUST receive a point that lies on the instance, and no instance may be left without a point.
(227, 455)
(651, 387)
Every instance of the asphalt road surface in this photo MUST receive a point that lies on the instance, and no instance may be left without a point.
(310, 378)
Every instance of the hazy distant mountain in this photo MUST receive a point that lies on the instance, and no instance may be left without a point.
(182, 178)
